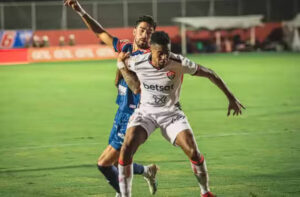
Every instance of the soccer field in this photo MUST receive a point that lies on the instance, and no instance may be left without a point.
(55, 120)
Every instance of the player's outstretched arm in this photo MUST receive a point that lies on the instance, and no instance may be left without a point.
(129, 76)
(91, 23)
(234, 103)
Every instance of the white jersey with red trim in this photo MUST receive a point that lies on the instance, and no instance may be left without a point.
(160, 87)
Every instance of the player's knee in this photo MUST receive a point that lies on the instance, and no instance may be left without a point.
(194, 154)
(102, 162)
(100, 167)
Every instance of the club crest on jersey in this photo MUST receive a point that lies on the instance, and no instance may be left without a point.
(171, 75)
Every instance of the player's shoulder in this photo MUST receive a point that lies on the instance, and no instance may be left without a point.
(139, 59)
(123, 45)
(126, 46)
(125, 41)
(176, 57)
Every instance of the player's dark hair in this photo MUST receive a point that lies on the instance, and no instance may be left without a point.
(148, 19)
(160, 37)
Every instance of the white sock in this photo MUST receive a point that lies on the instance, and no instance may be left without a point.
(125, 179)
(201, 174)
(146, 168)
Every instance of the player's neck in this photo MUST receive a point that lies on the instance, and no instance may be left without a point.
(135, 47)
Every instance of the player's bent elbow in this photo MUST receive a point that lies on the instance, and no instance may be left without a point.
(136, 91)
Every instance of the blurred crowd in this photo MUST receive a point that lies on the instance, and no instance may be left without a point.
(280, 39)
(40, 42)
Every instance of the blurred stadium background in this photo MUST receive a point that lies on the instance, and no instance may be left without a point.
(49, 23)
(57, 97)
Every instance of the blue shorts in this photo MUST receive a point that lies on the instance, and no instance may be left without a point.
(118, 131)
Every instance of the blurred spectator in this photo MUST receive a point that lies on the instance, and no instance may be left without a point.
(61, 41)
(218, 41)
(28, 41)
(71, 40)
(275, 41)
(227, 45)
(199, 46)
(45, 41)
(238, 44)
(210, 46)
(36, 41)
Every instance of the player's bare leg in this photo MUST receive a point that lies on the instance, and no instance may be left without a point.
(186, 141)
(109, 156)
(107, 165)
(135, 136)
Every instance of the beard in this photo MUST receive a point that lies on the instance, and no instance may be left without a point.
(141, 44)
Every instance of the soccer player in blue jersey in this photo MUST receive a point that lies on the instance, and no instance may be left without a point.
(128, 95)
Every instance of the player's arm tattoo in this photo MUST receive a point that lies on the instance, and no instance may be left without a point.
(213, 77)
(131, 80)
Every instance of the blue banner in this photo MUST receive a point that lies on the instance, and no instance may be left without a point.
(15, 39)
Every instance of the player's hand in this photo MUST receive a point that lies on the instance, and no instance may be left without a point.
(74, 4)
(123, 56)
(236, 106)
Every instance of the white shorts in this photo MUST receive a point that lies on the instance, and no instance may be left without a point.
(170, 122)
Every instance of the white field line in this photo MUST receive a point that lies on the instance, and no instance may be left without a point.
(99, 143)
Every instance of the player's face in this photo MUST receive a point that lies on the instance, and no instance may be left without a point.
(142, 34)
(160, 55)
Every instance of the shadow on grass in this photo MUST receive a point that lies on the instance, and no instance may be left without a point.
(3, 171)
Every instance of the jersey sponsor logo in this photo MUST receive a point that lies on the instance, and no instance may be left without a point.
(160, 99)
(171, 75)
(158, 87)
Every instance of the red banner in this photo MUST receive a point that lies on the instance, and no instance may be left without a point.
(13, 56)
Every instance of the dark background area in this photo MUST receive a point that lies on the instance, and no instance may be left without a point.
(17, 14)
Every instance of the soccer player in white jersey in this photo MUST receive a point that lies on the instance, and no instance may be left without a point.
(160, 73)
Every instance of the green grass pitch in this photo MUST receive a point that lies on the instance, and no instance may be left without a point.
(55, 120)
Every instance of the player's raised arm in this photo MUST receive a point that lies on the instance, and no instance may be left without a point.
(91, 23)
(234, 103)
(129, 76)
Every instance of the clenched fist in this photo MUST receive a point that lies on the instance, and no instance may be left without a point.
(74, 4)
